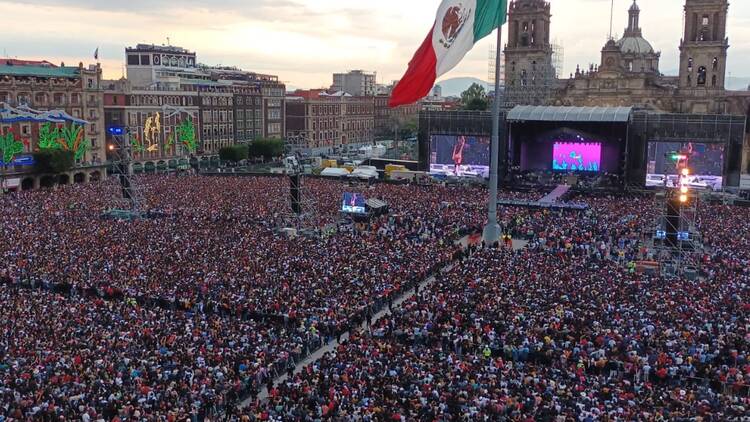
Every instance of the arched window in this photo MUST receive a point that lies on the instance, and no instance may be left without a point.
(523, 78)
(713, 80)
(702, 76)
(715, 64)
(690, 64)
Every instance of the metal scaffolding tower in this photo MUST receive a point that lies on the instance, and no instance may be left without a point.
(558, 58)
(299, 211)
(676, 241)
(491, 67)
(130, 203)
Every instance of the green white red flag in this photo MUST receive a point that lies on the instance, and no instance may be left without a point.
(458, 26)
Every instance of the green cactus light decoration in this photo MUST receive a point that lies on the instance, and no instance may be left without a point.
(10, 147)
(69, 138)
(186, 135)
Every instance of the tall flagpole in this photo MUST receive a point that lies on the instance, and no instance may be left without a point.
(491, 233)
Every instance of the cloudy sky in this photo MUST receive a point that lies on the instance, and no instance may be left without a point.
(304, 41)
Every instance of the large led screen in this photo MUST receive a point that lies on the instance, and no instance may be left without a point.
(705, 161)
(353, 203)
(577, 156)
(462, 156)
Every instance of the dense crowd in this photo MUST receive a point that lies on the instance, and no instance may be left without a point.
(558, 331)
(183, 316)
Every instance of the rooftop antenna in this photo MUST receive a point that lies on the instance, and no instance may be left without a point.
(169, 43)
(611, 18)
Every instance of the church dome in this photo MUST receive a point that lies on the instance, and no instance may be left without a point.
(632, 42)
(635, 45)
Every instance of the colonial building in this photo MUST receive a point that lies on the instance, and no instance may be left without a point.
(261, 100)
(529, 72)
(153, 117)
(42, 86)
(174, 106)
(628, 72)
(319, 122)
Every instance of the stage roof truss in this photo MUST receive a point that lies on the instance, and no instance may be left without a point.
(570, 114)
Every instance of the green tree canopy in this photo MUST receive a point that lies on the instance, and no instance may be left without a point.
(266, 148)
(234, 153)
(475, 98)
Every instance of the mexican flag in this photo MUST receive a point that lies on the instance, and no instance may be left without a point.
(458, 26)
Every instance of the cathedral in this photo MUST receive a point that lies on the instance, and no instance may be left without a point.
(628, 73)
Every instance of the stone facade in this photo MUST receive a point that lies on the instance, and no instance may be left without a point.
(628, 71)
(43, 86)
(529, 73)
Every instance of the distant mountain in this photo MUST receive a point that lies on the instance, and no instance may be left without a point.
(453, 87)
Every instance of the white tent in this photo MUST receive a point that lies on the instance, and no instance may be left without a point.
(334, 172)
(365, 172)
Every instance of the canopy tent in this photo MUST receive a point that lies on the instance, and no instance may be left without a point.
(570, 114)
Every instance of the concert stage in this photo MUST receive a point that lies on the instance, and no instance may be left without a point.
(625, 143)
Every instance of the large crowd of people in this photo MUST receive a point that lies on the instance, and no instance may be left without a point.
(184, 316)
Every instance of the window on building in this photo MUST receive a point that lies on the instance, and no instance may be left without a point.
(690, 64)
(133, 60)
(715, 63)
(713, 80)
(701, 76)
(25, 130)
(704, 22)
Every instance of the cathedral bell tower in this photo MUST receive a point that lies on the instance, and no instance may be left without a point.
(529, 73)
(703, 50)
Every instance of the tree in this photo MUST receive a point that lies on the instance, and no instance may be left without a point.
(474, 98)
(266, 148)
(234, 153)
(54, 160)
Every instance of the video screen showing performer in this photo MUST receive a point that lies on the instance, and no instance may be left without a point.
(705, 161)
(353, 203)
(460, 155)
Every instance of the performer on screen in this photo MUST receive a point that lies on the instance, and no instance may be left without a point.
(458, 153)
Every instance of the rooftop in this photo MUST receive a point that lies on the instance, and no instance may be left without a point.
(159, 48)
(44, 71)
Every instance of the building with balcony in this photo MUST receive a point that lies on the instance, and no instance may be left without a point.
(43, 86)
